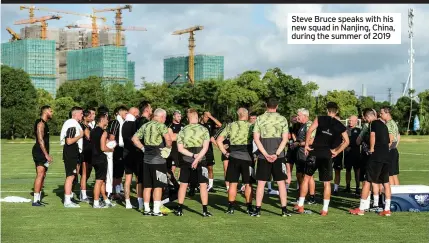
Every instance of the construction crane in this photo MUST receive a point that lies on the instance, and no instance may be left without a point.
(118, 19)
(94, 39)
(106, 27)
(14, 35)
(42, 20)
(191, 48)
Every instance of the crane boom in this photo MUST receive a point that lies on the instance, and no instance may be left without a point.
(14, 35)
(106, 27)
(42, 20)
(191, 48)
(118, 19)
(95, 41)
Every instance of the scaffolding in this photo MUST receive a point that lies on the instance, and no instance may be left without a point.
(206, 67)
(107, 62)
(36, 57)
(131, 71)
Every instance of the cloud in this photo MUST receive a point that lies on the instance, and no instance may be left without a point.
(254, 37)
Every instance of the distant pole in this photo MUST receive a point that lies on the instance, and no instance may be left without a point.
(410, 51)
(390, 95)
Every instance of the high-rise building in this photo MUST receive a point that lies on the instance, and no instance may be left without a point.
(206, 67)
(36, 57)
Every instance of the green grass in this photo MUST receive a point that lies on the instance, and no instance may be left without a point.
(54, 223)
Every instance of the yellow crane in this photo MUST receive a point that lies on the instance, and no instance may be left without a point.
(118, 19)
(14, 35)
(94, 39)
(106, 27)
(42, 20)
(191, 48)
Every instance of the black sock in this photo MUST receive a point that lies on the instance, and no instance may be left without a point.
(284, 209)
(205, 208)
(230, 205)
(312, 197)
(179, 207)
(249, 205)
(257, 209)
(348, 186)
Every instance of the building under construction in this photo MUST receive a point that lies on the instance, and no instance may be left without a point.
(67, 50)
(206, 67)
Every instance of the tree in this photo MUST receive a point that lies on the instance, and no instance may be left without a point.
(44, 98)
(346, 101)
(424, 112)
(401, 111)
(61, 109)
(86, 92)
(19, 103)
(118, 94)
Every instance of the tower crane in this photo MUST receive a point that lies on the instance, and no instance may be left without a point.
(42, 20)
(118, 19)
(106, 27)
(94, 39)
(14, 35)
(191, 48)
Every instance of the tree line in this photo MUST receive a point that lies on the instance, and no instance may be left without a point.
(21, 101)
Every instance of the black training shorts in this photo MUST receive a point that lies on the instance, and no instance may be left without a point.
(323, 165)
(377, 172)
(210, 160)
(352, 160)
(265, 170)
(237, 167)
(154, 175)
(100, 168)
(338, 161)
(70, 166)
(118, 163)
(187, 174)
(394, 162)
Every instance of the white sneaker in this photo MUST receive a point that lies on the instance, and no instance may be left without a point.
(110, 205)
(130, 206)
(273, 192)
(100, 206)
(71, 205)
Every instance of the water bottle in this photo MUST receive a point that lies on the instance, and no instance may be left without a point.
(46, 164)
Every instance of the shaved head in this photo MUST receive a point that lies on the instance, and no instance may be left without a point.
(243, 113)
(134, 111)
(353, 120)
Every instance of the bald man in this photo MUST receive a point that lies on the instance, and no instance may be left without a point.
(129, 128)
(352, 154)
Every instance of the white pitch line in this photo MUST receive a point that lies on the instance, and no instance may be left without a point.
(414, 154)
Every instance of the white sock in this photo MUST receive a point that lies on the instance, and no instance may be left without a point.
(122, 186)
(227, 188)
(146, 207)
(367, 203)
(83, 192)
(376, 198)
(269, 185)
(301, 201)
(369, 197)
(39, 198)
(287, 187)
(67, 199)
(362, 205)
(140, 200)
(325, 205)
(128, 201)
(36, 197)
(96, 203)
(156, 206)
(387, 205)
(210, 183)
(107, 201)
(118, 188)
(335, 187)
(297, 186)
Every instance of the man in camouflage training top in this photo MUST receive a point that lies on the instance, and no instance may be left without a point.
(240, 158)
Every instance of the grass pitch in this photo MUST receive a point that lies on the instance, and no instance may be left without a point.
(23, 223)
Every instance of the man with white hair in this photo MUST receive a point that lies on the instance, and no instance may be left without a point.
(71, 138)
(241, 158)
(303, 119)
(154, 163)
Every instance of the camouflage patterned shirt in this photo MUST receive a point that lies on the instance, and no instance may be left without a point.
(392, 127)
(192, 137)
(152, 135)
(271, 126)
(240, 136)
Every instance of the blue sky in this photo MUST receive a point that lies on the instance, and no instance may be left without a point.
(253, 37)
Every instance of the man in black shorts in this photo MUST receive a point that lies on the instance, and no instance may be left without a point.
(395, 137)
(320, 153)
(86, 155)
(226, 143)
(270, 133)
(193, 143)
(211, 123)
(157, 147)
(71, 138)
(301, 158)
(99, 160)
(40, 152)
(377, 170)
(146, 114)
(175, 127)
(130, 151)
(241, 158)
(114, 130)
(337, 161)
(352, 154)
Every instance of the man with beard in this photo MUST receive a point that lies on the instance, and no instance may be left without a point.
(175, 127)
